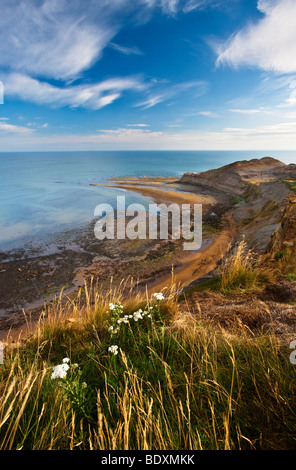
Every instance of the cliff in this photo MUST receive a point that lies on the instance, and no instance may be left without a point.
(235, 179)
(257, 190)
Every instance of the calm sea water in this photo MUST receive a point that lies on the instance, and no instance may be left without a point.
(46, 193)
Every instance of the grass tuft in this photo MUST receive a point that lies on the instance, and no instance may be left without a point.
(172, 383)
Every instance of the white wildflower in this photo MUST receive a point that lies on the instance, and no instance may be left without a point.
(113, 349)
(158, 296)
(60, 371)
(66, 360)
(138, 315)
(111, 306)
(110, 328)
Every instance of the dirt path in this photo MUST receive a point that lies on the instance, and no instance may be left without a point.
(198, 264)
(190, 267)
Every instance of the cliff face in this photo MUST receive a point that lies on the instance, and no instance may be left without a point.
(285, 236)
(235, 178)
(258, 191)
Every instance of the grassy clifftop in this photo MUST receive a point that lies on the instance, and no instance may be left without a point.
(120, 371)
(211, 367)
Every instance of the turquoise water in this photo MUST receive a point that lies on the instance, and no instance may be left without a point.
(45, 193)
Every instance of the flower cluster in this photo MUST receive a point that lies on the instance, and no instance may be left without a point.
(139, 315)
(113, 350)
(60, 371)
(126, 319)
(158, 296)
(118, 320)
(115, 308)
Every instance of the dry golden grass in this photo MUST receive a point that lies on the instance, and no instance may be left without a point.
(240, 271)
(177, 384)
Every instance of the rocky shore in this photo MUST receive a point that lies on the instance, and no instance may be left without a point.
(245, 199)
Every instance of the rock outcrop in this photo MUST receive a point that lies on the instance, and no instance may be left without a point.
(235, 179)
(258, 191)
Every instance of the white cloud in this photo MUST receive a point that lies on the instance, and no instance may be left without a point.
(195, 88)
(60, 39)
(53, 38)
(291, 101)
(41, 40)
(171, 7)
(152, 101)
(208, 114)
(38, 125)
(252, 112)
(11, 129)
(138, 125)
(126, 50)
(267, 130)
(269, 44)
(92, 96)
(272, 137)
(124, 135)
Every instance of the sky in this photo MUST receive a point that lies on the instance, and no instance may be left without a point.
(147, 75)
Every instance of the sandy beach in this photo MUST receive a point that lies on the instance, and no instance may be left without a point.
(37, 280)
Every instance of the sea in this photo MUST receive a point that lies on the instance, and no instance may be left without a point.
(46, 193)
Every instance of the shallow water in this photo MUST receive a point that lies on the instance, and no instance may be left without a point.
(45, 193)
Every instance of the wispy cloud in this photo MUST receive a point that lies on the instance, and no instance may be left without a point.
(195, 88)
(61, 39)
(268, 44)
(171, 7)
(38, 125)
(93, 96)
(138, 125)
(52, 38)
(280, 135)
(123, 134)
(252, 112)
(126, 50)
(208, 114)
(12, 129)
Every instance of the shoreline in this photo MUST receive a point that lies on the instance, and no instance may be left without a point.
(214, 250)
(159, 274)
(163, 195)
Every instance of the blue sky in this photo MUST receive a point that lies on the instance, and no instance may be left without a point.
(148, 74)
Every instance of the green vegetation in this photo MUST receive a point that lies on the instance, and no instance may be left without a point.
(279, 255)
(210, 227)
(237, 200)
(117, 370)
(286, 261)
(252, 192)
(291, 184)
(240, 273)
(267, 210)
